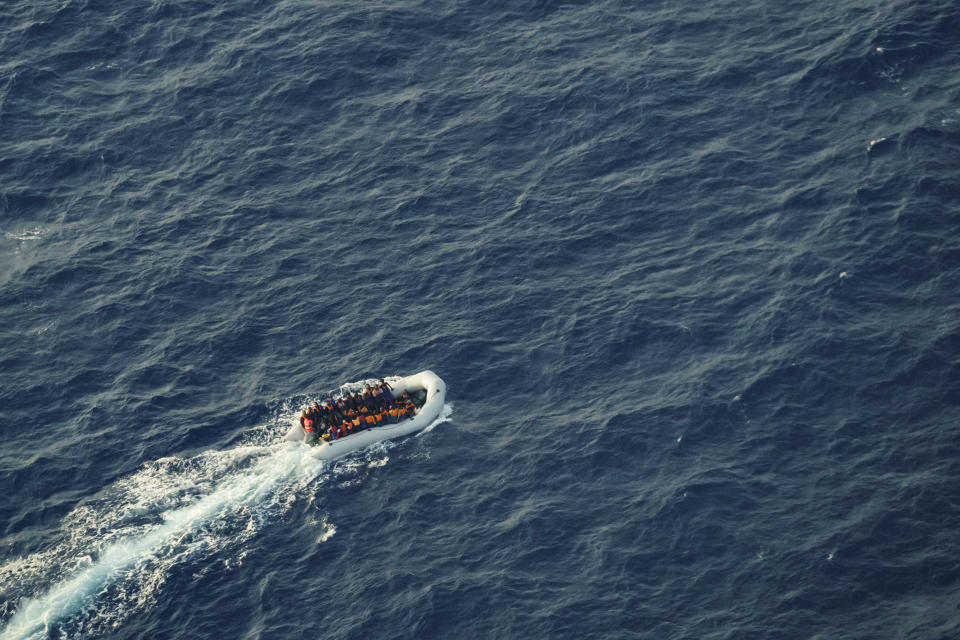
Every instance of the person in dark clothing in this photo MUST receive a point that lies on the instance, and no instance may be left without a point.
(341, 406)
(319, 414)
(332, 412)
(385, 388)
(368, 400)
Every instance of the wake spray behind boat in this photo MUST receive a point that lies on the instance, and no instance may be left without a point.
(424, 382)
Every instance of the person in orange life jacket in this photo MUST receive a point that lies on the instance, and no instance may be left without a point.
(410, 408)
(393, 415)
(307, 423)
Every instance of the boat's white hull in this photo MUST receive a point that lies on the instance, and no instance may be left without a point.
(436, 395)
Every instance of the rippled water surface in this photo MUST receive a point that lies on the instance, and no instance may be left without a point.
(690, 274)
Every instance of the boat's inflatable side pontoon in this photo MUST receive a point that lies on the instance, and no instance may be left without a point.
(427, 381)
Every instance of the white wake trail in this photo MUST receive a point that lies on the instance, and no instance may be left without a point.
(80, 591)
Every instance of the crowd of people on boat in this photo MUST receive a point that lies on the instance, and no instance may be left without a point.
(354, 412)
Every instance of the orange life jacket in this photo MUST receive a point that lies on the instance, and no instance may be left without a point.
(308, 425)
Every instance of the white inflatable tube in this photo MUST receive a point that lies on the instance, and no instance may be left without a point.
(436, 395)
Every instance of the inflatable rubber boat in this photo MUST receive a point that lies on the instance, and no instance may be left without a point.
(425, 382)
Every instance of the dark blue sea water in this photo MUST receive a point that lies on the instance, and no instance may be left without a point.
(690, 271)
